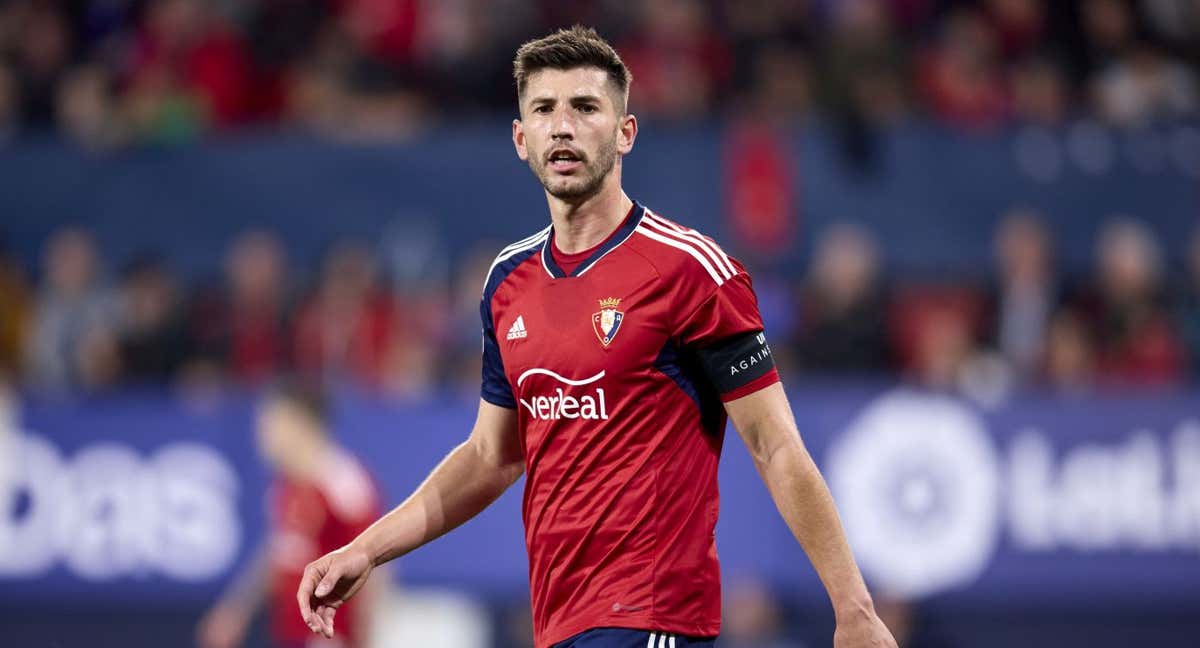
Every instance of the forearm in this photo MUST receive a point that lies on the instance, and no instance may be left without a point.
(462, 485)
(249, 588)
(806, 505)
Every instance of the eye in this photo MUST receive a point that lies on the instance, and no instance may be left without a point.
(587, 108)
(543, 109)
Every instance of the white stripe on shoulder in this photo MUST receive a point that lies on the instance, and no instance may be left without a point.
(514, 249)
(686, 247)
(525, 242)
(697, 241)
(650, 644)
(696, 236)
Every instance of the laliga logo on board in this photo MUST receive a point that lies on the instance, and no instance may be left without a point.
(608, 320)
(916, 479)
(927, 494)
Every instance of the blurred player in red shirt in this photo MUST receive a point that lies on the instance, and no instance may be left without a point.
(615, 345)
(320, 499)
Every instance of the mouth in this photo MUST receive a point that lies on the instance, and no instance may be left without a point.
(564, 160)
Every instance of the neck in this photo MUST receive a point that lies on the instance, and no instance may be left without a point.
(311, 461)
(584, 224)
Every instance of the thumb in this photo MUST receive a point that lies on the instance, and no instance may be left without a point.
(327, 583)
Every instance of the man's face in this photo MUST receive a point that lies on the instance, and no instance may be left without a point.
(571, 130)
(282, 431)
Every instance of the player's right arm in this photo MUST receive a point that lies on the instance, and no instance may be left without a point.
(470, 478)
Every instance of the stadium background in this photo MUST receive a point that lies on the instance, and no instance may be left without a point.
(972, 228)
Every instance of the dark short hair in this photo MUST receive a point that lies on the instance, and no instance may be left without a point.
(567, 49)
(306, 394)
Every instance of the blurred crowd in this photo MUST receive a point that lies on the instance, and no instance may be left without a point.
(111, 72)
(356, 318)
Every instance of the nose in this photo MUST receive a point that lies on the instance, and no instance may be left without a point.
(563, 126)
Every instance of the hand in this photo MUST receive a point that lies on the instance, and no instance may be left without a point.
(328, 582)
(863, 631)
(224, 626)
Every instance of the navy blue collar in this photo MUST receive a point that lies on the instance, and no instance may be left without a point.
(617, 238)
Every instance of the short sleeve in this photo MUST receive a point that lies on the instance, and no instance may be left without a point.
(726, 331)
(495, 388)
(727, 311)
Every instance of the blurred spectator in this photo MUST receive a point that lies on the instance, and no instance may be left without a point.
(345, 329)
(1070, 365)
(681, 63)
(843, 306)
(42, 52)
(86, 109)
(1177, 23)
(959, 75)
(374, 69)
(1039, 92)
(753, 617)
(10, 100)
(189, 71)
(418, 272)
(151, 336)
(1025, 294)
(934, 329)
(72, 343)
(1188, 303)
(1145, 86)
(242, 328)
(1020, 26)
(867, 64)
(1108, 32)
(281, 35)
(1127, 311)
(14, 315)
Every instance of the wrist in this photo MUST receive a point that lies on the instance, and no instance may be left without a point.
(366, 545)
(854, 608)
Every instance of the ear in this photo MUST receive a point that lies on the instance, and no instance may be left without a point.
(518, 136)
(627, 131)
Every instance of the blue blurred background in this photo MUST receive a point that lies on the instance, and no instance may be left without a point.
(973, 226)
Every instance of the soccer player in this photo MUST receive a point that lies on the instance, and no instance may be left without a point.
(321, 498)
(615, 344)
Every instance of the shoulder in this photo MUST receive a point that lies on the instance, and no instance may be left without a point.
(347, 487)
(511, 256)
(681, 253)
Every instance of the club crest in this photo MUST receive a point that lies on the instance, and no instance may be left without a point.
(608, 321)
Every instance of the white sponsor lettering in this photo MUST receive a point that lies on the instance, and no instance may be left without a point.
(745, 363)
(1106, 497)
(110, 512)
(561, 405)
(564, 406)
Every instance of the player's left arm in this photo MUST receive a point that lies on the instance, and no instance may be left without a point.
(764, 421)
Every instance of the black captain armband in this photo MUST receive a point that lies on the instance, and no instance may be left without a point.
(737, 361)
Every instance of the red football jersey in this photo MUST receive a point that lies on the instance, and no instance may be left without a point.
(621, 426)
(308, 521)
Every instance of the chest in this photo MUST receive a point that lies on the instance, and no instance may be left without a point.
(614, 319)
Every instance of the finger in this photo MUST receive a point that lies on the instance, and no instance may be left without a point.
(318, 625)
(329, 581)
(304, 595)
(327, 616)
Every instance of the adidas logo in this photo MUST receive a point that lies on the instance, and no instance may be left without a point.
(517, 331)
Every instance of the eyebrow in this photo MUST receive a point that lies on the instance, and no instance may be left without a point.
(536, 101)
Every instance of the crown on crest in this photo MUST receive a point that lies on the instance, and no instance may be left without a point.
(609, 302)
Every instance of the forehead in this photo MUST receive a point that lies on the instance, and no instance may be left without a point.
(556, 83)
